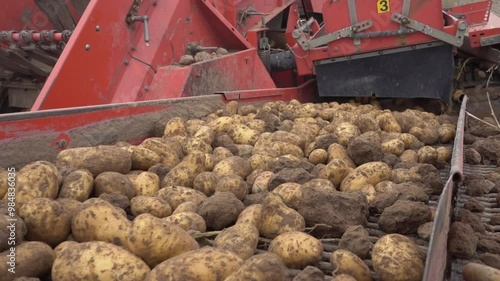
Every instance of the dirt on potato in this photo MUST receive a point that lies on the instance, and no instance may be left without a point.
(356, 240)
(462, 242)
(310, 273)
(220, 210)
(404, 217)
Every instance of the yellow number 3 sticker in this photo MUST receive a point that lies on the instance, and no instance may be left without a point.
(382, 6)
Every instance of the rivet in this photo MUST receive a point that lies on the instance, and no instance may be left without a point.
(87, 47)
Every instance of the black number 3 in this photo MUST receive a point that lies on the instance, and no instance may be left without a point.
(383, 5)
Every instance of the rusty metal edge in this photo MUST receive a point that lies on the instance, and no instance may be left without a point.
(437, 256)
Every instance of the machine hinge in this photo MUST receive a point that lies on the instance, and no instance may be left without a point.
(456, 40)
(347, 32)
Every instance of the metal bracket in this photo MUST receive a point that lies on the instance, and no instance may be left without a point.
(323, 40)
(456, 40)
(490, 40)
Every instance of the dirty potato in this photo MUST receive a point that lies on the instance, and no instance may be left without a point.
(337, 151)
(261, 267)
(369, 173)
(251, 214)
(106, 260)
(206, 182)
(185, 173)
(277, 218)
(176, 195)
(261, 183)
(241, 239)
(205, 264)
(112, 182)
(297, 249)
(233, 166)
(335, 171)
(77, 185)
(188, 221)
(32, 259)
(146, 184)
(151, 205)
(346, 262)
(290, 193)
(234, 184)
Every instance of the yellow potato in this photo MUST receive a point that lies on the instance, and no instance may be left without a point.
(143, 158)
(176, 195)
(261, 183)
(368, 173)
(205, 134)
(99, 261)
(261, 267)
(318, 156)
(297, 249)
(233, 165)
(206, 182)
(480, 272)
(384, 186)
(346, 132)
(185, 173)
(444, 154)
(46, 221)
(259, 161)
(409, 140)
(251, 214)
(152, 205)
(409, 156)
(186, 207)
(290, 193)
(395, 146)
(169, 157)
(221, 124)
(175, 127)
(30, 259)
(288, 137)
(169, 239)
(277, 218)
(234, 184)
(205, 264)
(427, 155)
(388, 122)
(346, 262)
(337, 151)
(187, 221)
(241, 134)
(77, 185)
(446, 133)
(112, 182)
(335, 171)
(396, 257)
(195, 144)
(146, 184)
(241, 239)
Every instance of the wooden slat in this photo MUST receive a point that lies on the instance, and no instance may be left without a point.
(80, 5)
(33, 66)
(58, 13)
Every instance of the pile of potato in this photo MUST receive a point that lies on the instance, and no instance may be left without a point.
(288, 172)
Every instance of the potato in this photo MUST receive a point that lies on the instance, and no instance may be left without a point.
(410, 141)
(258, 161)
(427, 155)
(99, 220)
(205, 264)
(277, 218)
(194, 144)
(103, 158)
(261, 183)
(46, 221)
(335, 171)
(396, 257)
(318, 156)
(185, 173)
(35, 180)
(369, 173)
(388, 122)
(401, 175)
(244, 110)
(233, 165)
(205, 134)
(143, 158)
(261, 267)
(480, 272)
(384, 186)
(234, 184)
(4, 182)
(241, 239)
(169, 157)
(257, 125)
(337, 151)
(70, 206)
(221, 124)
(112, 182)
(221, 153)
(175, 127)
(169, 239)
(146, 184)
(193, 125)
(77, 185)
(369, 191)
(346, 132)
(242, 134)
(288, 137)
(428, 135)
(446, 133)
(152, 205)
(188, 221)
(346, 262)
(98, 261)
(290, 193)
(395, 146)
(186, 207)
(176, 195)
(28, 259)
(297, 249)
(206, 182)
(343, 277)
(444, 154)
(175, 145)
(409, 156)
(251, 214)
(62, 246)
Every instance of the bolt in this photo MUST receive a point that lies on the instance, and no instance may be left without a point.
(146, 88)
(155, 4)
(126, 62)
(133, 48)
(87, 47)
(97, 28)
(335, 49)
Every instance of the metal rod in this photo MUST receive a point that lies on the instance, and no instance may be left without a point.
(29, 36)
(386, 33)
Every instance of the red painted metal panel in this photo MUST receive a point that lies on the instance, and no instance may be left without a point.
(82, 76)
(22, 14)
(237, 71)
